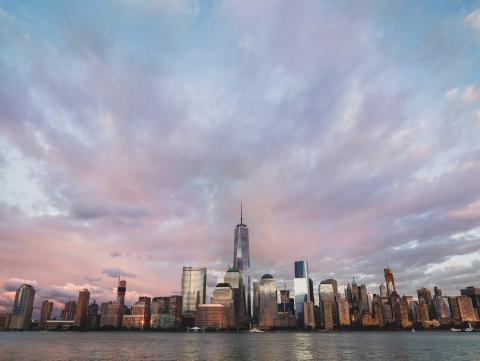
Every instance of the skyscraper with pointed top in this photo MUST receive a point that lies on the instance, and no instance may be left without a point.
(241, 256)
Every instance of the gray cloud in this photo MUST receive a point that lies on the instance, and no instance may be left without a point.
(333, 131)
(117, 272)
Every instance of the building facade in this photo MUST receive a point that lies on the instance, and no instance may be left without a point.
(21, 318)
(267, 302)
(241, 258)
(45, 313)
(301, 288)
(82, 307)
(111, 315)
(194, 286)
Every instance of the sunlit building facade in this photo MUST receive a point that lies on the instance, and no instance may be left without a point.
(267, 302)
(234, 278)
(390, 282)
(139, 317)
(82, 307)
(343, 313)
(465, 308)
(194, 286)
(301, 288)
(111, 314)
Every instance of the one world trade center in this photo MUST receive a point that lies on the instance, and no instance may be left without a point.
(241, 257)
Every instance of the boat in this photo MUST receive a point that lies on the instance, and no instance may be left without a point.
(465, 329)
(195, 329)
(256, 330)
(413, 330)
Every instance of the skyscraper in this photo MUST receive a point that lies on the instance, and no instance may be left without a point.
(234, 278)
(82, 307)
(267, 302)
(22, 308)
(390, 282)
(301, 288)
(69, 310)
(327, 290)
(194, 287)
(121, 289)
(241, 257)
(45, 313)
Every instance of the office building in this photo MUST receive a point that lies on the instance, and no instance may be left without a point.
(454, 310)
(82, 307)
(343, 313)
(327, 290)
(93, 316)
(5, 320)
(383, 290)
(267, 302)
(465, 307)
(309, 315)
(241, 258)
(442, 310)
(224, 295)
(139, 317)
(22, 308)
(160, 305)
(45, 313)
(194, 285)
(234, 278)
(111, 314)
(211, 316)
(327, 315)
(121, 290)
(255, 300)
(301, 288)
(163, 321)
(69, 311)
(474, 294)
(390, 282)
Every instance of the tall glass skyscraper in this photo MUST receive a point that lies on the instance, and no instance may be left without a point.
(241, 257)
(194, 288)
(23, 307)
(301, 288)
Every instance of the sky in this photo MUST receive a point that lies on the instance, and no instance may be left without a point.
(130, 131)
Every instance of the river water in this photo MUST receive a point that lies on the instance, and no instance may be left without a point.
(244, 346)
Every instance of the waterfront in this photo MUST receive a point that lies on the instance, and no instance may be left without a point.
(230, 346)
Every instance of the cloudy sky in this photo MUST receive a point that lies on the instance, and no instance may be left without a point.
(130, 131)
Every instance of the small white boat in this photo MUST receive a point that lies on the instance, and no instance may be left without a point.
(469, 328)
(453, 329)
(256, 330)
(195, 329)
(413, 330)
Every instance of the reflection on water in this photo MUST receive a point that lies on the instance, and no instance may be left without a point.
(230, 346)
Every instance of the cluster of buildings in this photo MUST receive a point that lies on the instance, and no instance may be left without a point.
(237, 303)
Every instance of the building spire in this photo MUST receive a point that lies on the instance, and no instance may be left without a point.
(241, 212)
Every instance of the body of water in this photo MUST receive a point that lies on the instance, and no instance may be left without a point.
(244, 346)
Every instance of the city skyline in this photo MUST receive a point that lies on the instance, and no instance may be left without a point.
(130, 132)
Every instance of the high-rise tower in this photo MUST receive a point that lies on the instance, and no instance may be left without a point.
(390, 282)
(23, 307)
(194, 286)
(301, 288)
(121, 289)
(241, 257)
(82, 307)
